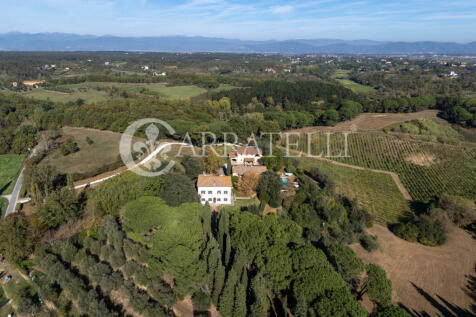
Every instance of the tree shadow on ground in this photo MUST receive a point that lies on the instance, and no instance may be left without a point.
(2, 189)
(444, 307)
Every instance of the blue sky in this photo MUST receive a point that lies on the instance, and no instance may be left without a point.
(402, 20)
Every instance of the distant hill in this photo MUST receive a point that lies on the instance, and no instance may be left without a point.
(73, 42)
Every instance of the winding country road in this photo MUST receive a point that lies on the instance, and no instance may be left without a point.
(14, 197)
(145, 160)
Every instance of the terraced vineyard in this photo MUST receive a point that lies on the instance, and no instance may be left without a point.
(425, 168)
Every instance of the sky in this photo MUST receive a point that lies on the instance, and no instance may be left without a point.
(403, 20)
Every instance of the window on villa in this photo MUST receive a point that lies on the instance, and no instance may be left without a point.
(219, 192)
(209, 199)
(203, 199)
(202, 192)
(209, 192)
(225, 199)
(218, 199)
(225, 192)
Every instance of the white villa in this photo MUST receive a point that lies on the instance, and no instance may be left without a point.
(216, 190)
(246, 155)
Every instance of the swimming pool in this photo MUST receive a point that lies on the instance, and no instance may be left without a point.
(284, 180)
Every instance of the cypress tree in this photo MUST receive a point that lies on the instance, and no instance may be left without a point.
(227, 298)
(260, 303)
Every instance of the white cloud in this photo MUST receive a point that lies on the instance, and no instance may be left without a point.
(282, 9)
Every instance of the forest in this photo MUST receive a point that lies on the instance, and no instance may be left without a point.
(143, 246)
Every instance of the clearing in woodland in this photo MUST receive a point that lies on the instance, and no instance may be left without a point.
(428, 281)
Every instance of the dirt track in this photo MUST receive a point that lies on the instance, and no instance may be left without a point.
(372, 121)
(395, 177)
(426, 279)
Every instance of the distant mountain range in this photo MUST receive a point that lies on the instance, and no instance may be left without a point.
(72, 42)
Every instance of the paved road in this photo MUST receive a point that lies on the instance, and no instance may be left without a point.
(13, 198)
(15, 194)
(16, 191)
(145, 160)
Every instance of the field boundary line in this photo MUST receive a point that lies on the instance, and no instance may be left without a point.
(394, 176)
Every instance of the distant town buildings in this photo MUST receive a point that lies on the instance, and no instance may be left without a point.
(451, 74)
(33, 83)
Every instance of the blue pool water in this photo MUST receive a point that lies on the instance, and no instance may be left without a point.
(284, 180)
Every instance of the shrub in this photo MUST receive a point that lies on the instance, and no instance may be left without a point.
(459, 210)
(89, 141)
(69, 147)
(422, 229)
(379, 288)
(430, 233)
(392, 311)
(406, 231)
(369, 242)
(324, 179)
(345, 261)
(201, 301)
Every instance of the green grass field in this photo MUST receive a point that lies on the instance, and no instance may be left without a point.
(104, 150)
(426, 169)
(89, 96)
(376, 193)
(92, 92)
(3, 206)
(342, 76)
(428, 130)
(10, 165)
(176, 92)
(356, 87)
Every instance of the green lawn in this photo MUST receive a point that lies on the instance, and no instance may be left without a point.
(356, 87)
(10, 165)
(89, 96)
(377, 193)
(92, 92)
(342, 76)
(176, 92)
(104, 150)
(3, 206)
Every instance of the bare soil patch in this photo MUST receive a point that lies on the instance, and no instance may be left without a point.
(422, 159)
(213, 311)
(426, 280)
(184, 308)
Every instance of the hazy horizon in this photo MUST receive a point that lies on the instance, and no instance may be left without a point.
(231, 38)
(408, 21)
